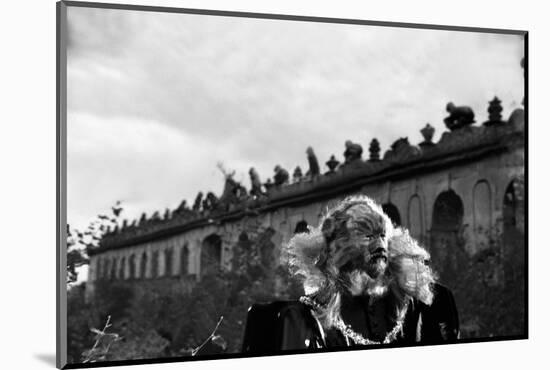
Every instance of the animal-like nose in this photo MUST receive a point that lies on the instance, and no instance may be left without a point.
(378, 246)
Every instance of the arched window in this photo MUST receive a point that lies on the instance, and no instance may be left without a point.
(267, 247)
(241, 251)
(513, 207)
(121, 268)
(243, 237)
(415, 221)
(184, 260)
(513, 238)
(132, 262)
(143, 267)
(98, 270)
(448, 212)
(106, 268)
(155, 264)
(393, 213)
(482, 214)
(446, 238)
(211, 254)
(168, 262)
(113, 268)
(509, 208)
(301, 227)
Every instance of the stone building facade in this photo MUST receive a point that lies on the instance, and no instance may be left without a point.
(457, 195)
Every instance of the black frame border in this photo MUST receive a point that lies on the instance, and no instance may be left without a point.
(61, 170)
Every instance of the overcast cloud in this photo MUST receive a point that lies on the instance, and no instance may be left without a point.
(156, 100)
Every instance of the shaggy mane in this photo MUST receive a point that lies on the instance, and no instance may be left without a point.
(309, 259)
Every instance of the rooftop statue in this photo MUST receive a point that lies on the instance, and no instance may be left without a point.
(256, 185)
(210, 202)
(143, 218)
(281, 176)
(495, 113)
(198, 202)
(374, 150)
(427, 133)
(313, 163)
(182, 207)
(401, 151)
(332, 163)
(353, 152)
(233, 191)
(459, 117)
(297, 175)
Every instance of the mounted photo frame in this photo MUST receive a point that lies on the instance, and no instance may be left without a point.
(241, 184)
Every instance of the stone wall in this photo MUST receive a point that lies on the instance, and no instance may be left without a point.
(480, 186)
(461, 197)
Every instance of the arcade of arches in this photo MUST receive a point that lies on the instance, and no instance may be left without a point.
(449, 236)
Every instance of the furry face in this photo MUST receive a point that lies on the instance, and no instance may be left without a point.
(357, 250)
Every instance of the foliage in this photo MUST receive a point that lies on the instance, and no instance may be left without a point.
(174, 316)
(78, 242)
(103, 342)
(180, 316)
(488, 284)
(80, 318)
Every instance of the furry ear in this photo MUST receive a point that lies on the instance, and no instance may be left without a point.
(407, 264)
(306, 255)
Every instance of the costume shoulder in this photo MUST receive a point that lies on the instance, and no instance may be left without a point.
(440, 319)
(277, 326)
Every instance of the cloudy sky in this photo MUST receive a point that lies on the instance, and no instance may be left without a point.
(156, 100)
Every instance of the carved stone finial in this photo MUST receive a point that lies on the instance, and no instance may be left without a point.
(167, 214)
(281, 176)
(374, 150)
(209, 202)
(459, 117)
(314, 169)
(428, 134)
(297, 175)
(401, 151)
(143, 218)
(182, 208)
(198, 202)
(517, 119)
(255, 183)
(332, 163)
(495, 112)
(353, 152)
(124, 223)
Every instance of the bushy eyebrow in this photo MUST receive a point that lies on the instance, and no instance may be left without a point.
(374, 225)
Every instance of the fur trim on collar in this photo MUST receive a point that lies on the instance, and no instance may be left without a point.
(309, 258)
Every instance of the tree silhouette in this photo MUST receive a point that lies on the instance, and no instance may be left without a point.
(79, 242)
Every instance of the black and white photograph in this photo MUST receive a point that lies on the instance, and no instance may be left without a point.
(243, 185)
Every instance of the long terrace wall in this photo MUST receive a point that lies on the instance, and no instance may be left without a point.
(475, 166)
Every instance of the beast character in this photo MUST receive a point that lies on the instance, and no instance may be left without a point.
(365, 282)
